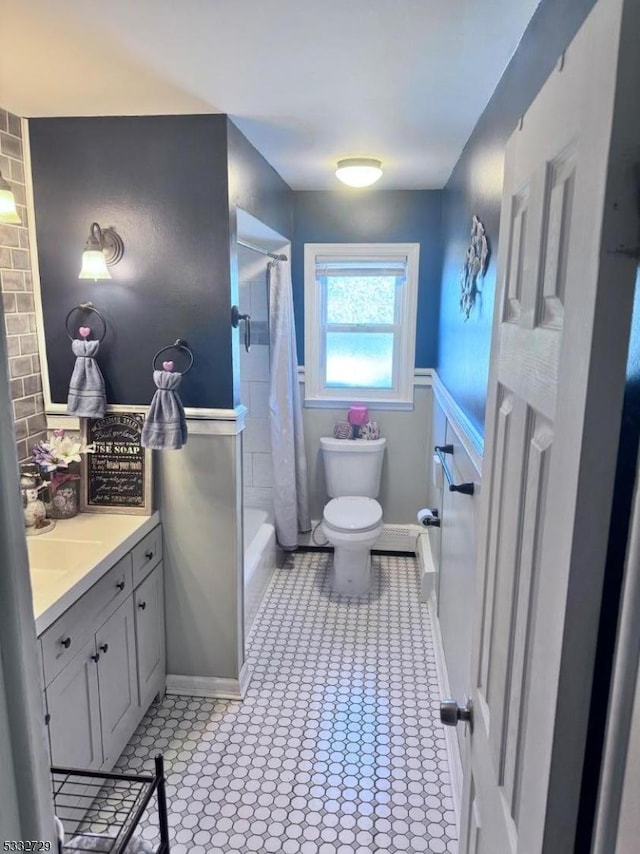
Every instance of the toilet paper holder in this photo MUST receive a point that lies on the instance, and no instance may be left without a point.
(429, 518)
(464, 488)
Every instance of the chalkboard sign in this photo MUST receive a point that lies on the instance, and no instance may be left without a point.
(117, 476)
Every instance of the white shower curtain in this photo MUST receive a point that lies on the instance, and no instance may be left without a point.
(290, 488)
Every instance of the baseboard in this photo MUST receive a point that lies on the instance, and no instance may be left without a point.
(427, 567)
(453, 748)
(394, 538)
(214, 687)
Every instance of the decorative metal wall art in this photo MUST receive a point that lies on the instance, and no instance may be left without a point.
(475, 266)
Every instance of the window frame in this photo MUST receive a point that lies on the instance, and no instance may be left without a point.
(317, 393)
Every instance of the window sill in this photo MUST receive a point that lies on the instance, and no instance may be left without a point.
(342, 402)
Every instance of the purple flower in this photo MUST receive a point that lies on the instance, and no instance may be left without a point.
(58, 451)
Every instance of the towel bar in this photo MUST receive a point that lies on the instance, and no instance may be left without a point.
(236, 318)
(464, 488)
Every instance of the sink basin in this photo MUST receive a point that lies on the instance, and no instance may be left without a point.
(61, 556)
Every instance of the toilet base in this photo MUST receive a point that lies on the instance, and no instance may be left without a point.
(351, 574)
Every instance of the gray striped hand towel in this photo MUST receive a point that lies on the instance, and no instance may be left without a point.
(87, 397)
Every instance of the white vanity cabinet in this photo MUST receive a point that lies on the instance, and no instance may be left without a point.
(149, 610)
(117, 681)
(104, 660)
(73, 705)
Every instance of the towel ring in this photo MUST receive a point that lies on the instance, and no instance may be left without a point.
(86, 306)
(180, 344)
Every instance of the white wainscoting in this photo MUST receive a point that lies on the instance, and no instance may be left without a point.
(404, 468)
(453, 552)
(200, 422)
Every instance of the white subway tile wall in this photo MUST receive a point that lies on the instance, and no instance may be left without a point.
(259, 399)
(262, 470)
(256, 435)
(254, 366)
(254, 384)
(260, 497)
(16, 285)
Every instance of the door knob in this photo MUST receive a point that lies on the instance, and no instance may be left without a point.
(451, 713)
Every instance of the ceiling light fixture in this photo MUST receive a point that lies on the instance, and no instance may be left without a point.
(103, 249)
(8, 212)
(359, 171)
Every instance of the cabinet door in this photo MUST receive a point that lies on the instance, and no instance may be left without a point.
(73, 706)
(149, 608)
(115, 643)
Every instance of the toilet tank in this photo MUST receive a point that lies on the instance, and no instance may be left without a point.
(352, 466)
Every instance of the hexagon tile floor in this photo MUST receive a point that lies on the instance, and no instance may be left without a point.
(336, 748)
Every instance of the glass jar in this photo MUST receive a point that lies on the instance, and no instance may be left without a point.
(63, 494)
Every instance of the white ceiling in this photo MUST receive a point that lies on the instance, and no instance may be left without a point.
(307, 82)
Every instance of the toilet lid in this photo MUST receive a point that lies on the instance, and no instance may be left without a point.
(352, 513)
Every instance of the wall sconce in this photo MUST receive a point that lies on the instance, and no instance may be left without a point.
(8, 212)
(103, 249)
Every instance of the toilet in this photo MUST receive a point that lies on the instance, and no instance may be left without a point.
(352, 519)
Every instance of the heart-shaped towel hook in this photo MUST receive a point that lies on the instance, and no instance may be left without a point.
(84, 331)
(167, 366)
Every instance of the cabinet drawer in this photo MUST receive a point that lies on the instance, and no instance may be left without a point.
(67, 635)
(146, 555)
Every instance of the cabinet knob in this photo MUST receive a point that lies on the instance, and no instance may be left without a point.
(96, 657)
(120, 585)
(66, 642)
(104, 647)
(148, 555)
(142, 605)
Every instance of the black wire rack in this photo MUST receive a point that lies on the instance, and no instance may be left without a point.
(100, 812)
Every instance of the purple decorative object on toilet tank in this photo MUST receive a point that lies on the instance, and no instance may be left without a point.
(358, 415)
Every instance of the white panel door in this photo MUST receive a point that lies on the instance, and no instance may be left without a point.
(556, 380)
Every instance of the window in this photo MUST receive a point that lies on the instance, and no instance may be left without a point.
(360, 323)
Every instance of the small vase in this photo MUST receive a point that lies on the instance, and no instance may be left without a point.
(63, 501)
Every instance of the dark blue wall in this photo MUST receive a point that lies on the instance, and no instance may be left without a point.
(161, 181)
(255, 186)
(374, 216)
(170, 185)
(475, 187)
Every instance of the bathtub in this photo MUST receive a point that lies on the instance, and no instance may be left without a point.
(259, 560)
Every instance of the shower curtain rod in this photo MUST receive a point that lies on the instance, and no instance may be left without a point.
(261, 250)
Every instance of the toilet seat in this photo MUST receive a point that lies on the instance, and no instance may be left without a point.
(352, 513)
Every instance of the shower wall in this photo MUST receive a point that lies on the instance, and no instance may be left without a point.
(254, 381)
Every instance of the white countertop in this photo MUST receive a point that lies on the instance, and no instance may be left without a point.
(67, 561)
